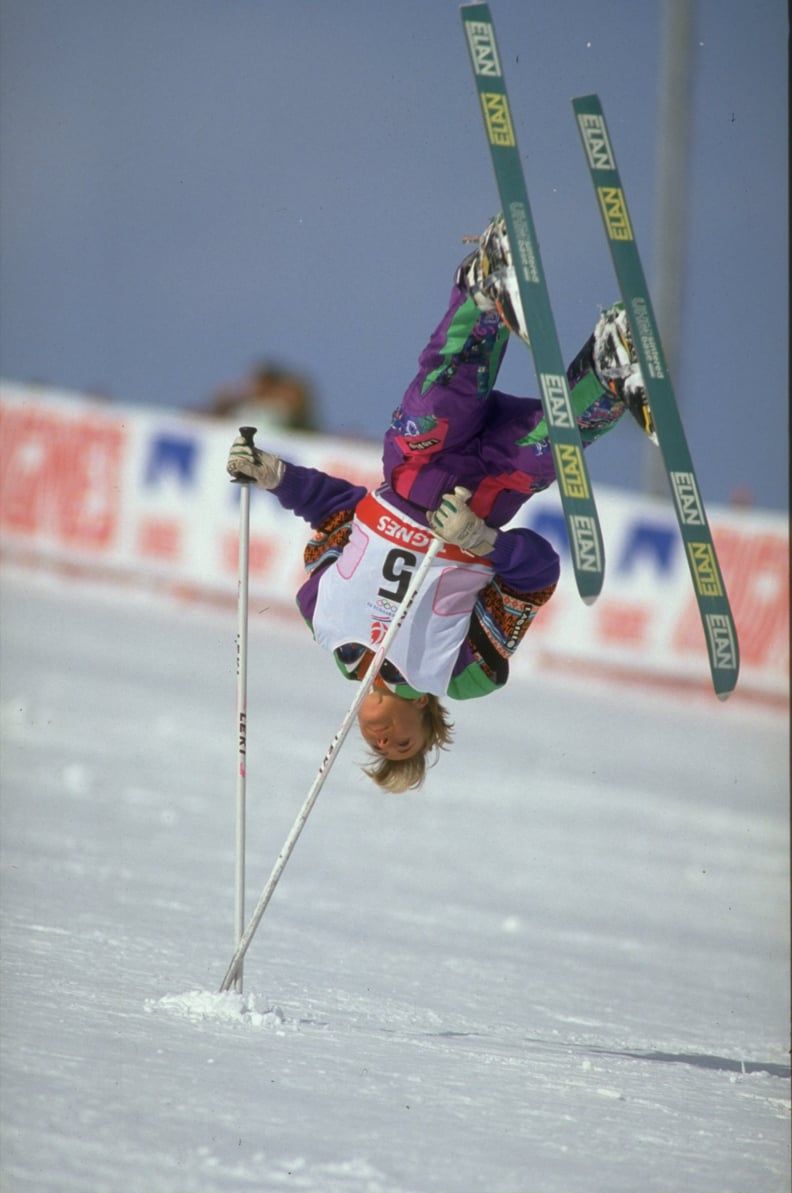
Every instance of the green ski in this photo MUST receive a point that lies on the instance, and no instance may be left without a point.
(716, 615)
(580, 513)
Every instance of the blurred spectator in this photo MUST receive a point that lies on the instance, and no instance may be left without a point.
(742, 498)
(269, 397)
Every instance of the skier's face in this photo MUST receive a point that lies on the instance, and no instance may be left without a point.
(392, 726)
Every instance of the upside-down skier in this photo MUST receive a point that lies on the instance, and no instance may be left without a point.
(459, 460)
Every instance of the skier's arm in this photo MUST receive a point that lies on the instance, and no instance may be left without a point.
(307, 492)
(524, 560)
(526, 573)
(314, 495)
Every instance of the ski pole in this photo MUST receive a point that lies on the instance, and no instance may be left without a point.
(365, 686)
(244, 482)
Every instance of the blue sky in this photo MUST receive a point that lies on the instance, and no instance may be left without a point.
(191, 185)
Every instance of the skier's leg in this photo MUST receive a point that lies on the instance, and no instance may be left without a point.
(515, 446)
(445, 407)
(597, 409)
(453, 428)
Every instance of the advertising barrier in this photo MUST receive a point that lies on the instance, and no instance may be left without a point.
(142, 495)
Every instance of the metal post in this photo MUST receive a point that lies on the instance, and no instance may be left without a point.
(673, 189)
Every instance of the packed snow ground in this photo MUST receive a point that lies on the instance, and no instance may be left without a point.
(561, 967)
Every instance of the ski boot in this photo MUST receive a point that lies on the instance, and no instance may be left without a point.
(617, 368)
(490, 279)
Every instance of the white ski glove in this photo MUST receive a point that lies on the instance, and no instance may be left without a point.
(262, 467)
(454, 523)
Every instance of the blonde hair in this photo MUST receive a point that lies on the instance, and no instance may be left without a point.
(405, 774)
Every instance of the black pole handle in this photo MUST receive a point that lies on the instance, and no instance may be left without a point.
(247, 434)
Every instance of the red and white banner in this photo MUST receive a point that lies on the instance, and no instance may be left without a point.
(141, 494)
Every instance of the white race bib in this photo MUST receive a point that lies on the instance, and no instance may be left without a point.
(360, 593)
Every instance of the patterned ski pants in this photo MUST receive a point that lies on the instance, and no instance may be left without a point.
(454, 428)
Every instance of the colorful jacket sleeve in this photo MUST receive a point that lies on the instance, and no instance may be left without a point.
(314, 495)
(526, 573)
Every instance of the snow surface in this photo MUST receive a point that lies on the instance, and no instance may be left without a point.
(562, 966)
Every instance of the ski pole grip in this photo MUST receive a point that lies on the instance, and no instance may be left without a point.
(247, 434)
